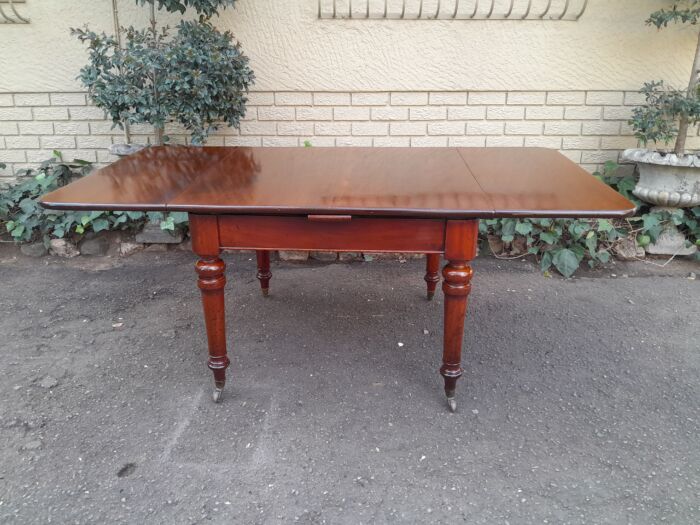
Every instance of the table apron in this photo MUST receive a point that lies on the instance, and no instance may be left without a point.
(249, 232)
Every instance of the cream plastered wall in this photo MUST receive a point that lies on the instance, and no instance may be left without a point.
(609, 48)
(570, 86)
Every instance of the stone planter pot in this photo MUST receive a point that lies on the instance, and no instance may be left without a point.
(667, 181)
(123, 150)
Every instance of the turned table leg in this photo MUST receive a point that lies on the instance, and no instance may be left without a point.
(432, 273)
(460, 248)
(210, 269)
(264, 273)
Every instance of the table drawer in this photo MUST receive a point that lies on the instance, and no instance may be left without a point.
(332, 233)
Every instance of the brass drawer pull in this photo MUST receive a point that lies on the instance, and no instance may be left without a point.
(329, 218)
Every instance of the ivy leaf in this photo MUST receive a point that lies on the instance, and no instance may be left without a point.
(27, 205)
(179, 217)
(592, 242)
(17, 231)
(548, 237)
(167, 224)
(604, 225)
(546, 262)
(652, 225)
(524, 228)
(603, 256)
(100, 225)
(508, 227)
(566, 262)
(678, 216)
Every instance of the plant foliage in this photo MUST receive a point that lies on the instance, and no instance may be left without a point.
(657, 121)
(203, 7)
(565, 244)
(670, 112)
(25, 220)
(197, 78)
(684, 12)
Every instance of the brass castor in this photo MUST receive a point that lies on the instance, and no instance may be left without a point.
(218, 392)
(217, 395)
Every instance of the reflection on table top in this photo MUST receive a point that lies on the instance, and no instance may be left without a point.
(405, 182)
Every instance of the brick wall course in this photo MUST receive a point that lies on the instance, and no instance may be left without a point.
(588, 127)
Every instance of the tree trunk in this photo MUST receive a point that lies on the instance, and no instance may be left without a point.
(158, 130)
(692, 93)
(159, 136)
(118, 36)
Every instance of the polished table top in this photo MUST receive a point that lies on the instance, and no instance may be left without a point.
(387, 182)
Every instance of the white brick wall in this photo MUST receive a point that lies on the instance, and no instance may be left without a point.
(588, 127)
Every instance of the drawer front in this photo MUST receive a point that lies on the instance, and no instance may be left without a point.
(332, 233)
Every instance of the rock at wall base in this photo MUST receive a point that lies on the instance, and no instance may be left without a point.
(157, 248)
(325, 256)
(63, 248)
(293, 255)
(129, 248)
(153, 234)
(628, 250)
(97, 246)
(349, 257)
(35, 249)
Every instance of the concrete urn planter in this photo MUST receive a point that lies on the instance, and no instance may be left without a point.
(667, 181)
(124, 150)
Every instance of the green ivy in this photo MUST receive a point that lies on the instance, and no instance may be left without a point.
(565, 244)
(25, 220)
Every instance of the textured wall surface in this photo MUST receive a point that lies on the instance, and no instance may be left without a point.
(590, 127)
(563, 85)
(610, 48)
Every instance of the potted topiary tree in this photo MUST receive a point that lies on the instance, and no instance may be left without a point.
(669, 179)
(197, 77)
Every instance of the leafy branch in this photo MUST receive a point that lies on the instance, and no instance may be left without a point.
(198, 77)
(670, 112)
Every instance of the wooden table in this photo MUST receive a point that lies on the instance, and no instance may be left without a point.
(417, 200)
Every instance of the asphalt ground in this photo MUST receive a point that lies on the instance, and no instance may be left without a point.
(579, 403)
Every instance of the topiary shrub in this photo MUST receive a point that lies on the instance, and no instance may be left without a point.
(197, 77)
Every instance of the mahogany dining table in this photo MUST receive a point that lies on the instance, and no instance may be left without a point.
(410, 200)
